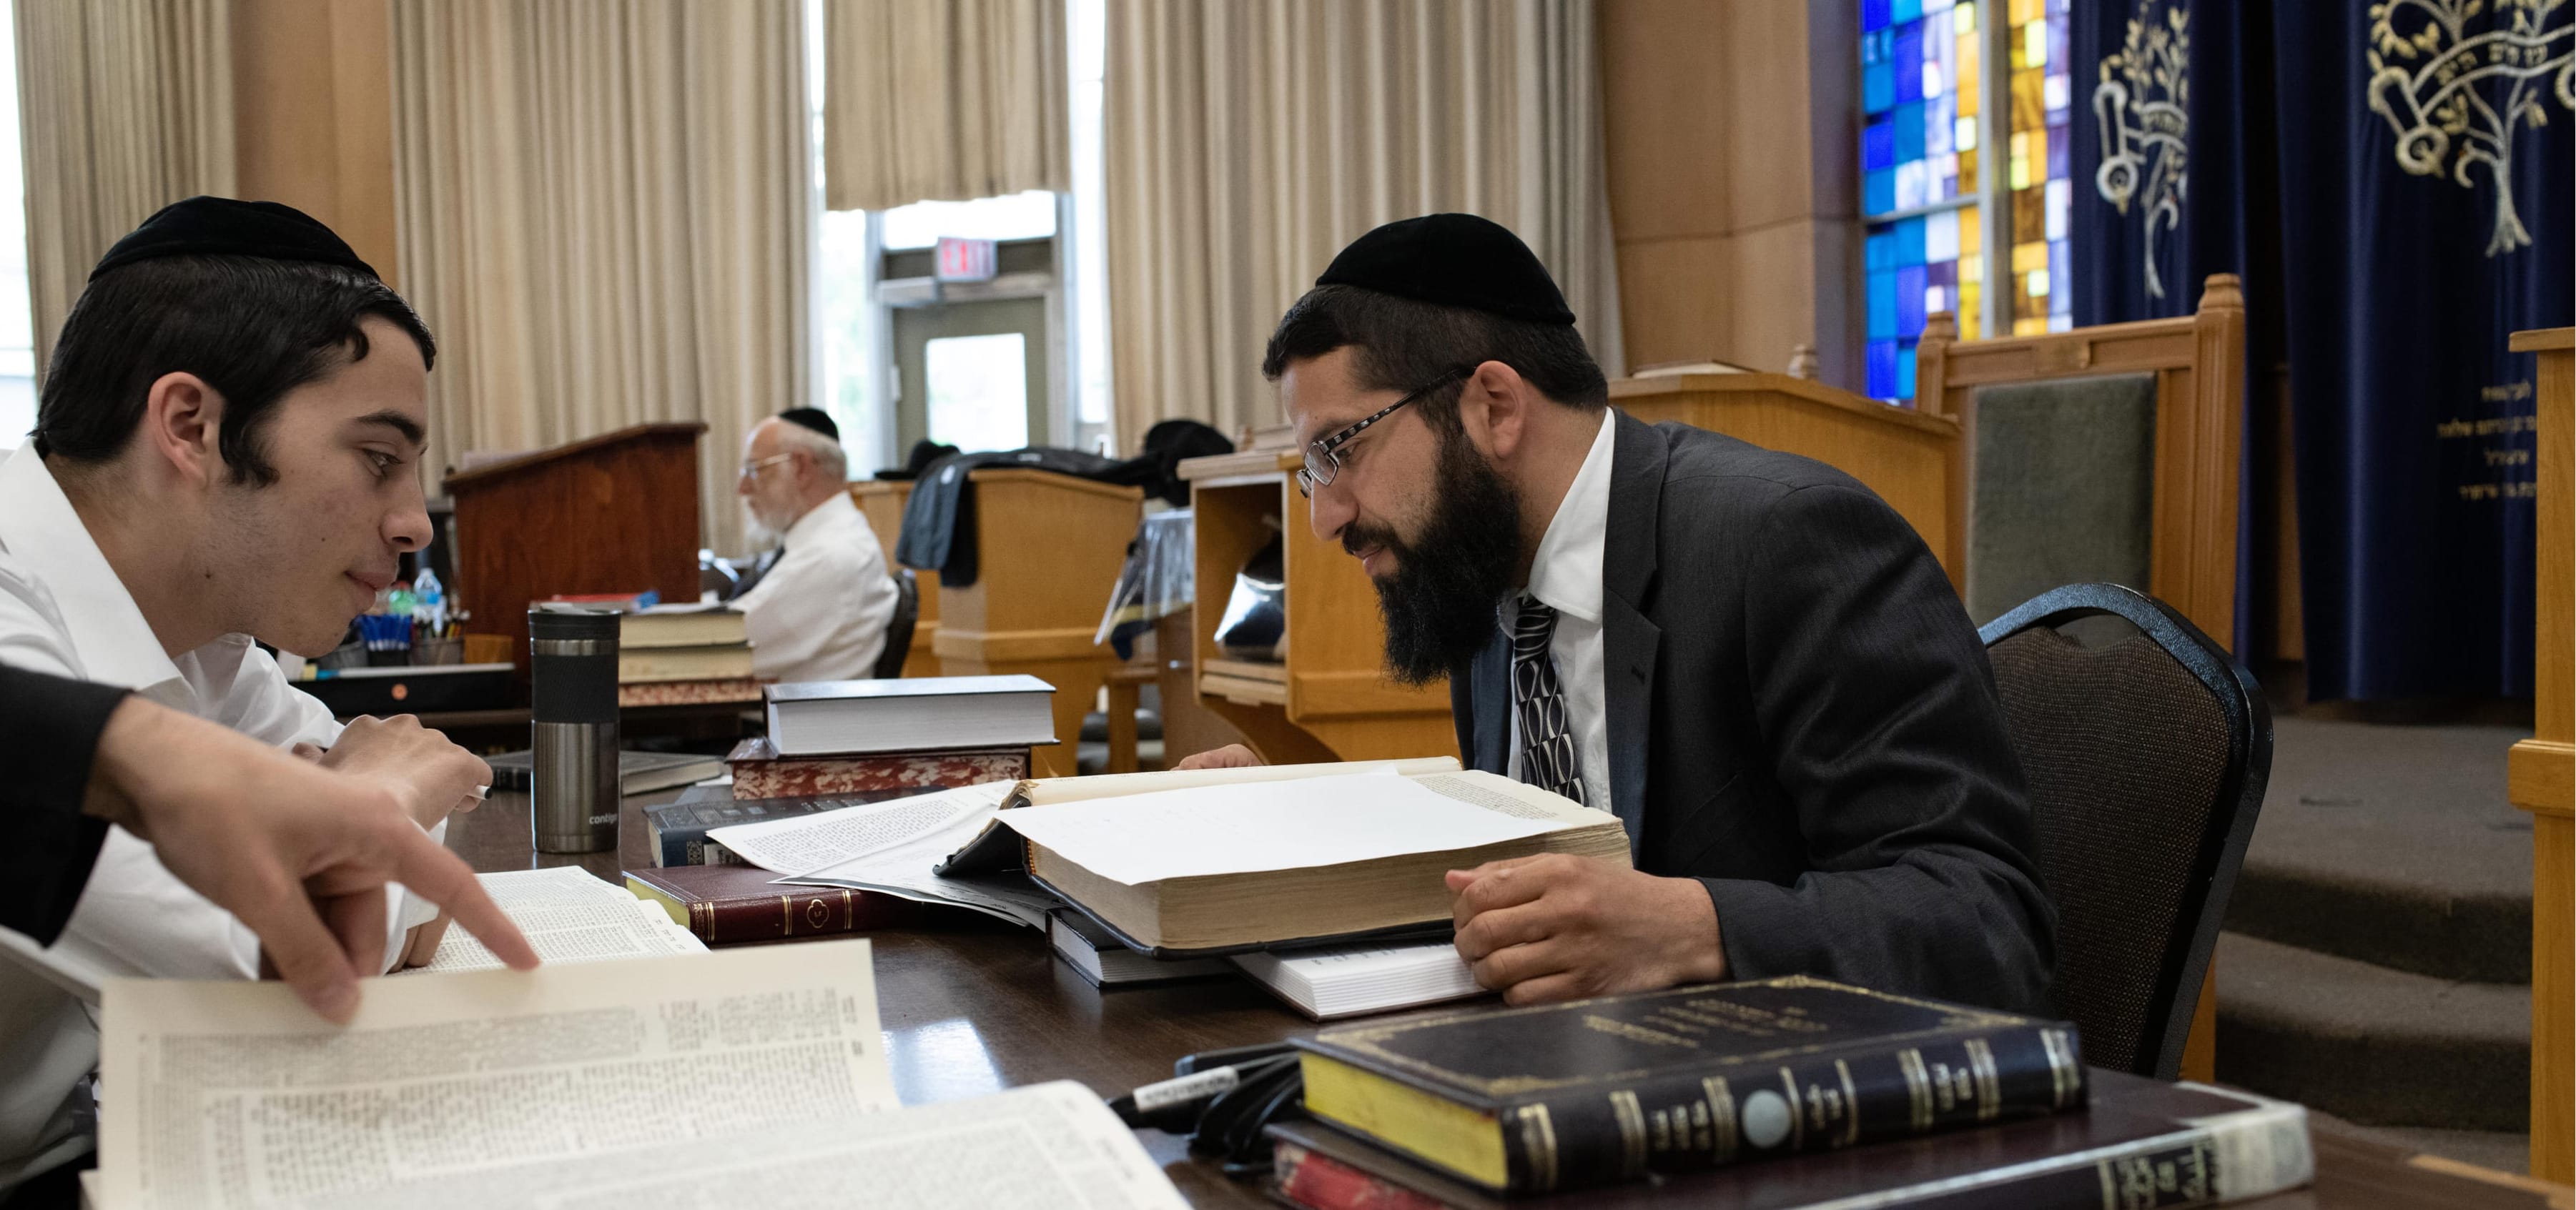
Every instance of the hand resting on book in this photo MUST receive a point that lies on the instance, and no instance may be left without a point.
(1231, 756)
(1558, 927)
(434, 776)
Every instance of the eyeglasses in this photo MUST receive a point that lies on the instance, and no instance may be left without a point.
(1323, 455)
(751, 470)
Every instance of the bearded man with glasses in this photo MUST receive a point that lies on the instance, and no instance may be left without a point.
(1745, 655)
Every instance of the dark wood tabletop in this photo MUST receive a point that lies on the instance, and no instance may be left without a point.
(971, 1006)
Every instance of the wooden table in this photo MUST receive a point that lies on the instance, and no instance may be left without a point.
(972, 1006)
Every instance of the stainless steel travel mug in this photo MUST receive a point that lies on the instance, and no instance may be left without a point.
(573, 670)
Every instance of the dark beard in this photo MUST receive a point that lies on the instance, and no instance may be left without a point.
(1439, 604)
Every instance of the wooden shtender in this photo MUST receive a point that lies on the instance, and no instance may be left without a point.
(613, 513)
(1329, 699)
(2541, 771)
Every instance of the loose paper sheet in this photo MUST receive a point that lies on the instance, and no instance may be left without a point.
(569, 915)
(902, 868)
(803, 844)
(1279, 825)
(487, 1088)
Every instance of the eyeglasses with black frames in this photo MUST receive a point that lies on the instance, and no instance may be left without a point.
(1323, 454)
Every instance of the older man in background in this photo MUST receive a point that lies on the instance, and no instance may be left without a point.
(819, 612)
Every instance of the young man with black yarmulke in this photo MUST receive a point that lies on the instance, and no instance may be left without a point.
(1745, 655)
(227, 449)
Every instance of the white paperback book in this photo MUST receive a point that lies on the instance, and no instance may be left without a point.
(1349, 980)
(743, 1078)
(819, 718)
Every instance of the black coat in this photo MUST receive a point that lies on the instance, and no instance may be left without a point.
(49, 729)
(1801, 717)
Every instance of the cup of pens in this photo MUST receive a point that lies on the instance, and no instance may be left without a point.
(387, 636)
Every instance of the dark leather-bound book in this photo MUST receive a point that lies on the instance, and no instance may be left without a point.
(2141, 1143)
(1564, 1096)
(737, 904)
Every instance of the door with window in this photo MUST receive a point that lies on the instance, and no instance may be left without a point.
(972, 373)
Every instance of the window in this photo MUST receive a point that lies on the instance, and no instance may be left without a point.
(17, 322)
(1956, 161)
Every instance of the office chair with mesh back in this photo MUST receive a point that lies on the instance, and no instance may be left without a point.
(2147, 755)
(907, 614)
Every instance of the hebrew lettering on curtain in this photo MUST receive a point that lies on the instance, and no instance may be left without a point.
(2426, 189)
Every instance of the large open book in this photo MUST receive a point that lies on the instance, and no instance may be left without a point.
(750, 1077)
(1223, 860)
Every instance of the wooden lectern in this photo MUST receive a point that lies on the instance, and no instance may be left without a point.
(881, 501)
(613, 513)
(2540, 773)
(1048, 549)
(1330, 699)
(1907, 457)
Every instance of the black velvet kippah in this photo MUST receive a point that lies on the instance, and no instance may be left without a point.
(813, 418)
(222, 226)
(1454, 260)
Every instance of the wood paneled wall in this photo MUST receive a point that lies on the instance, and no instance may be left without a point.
(313, 112)
(1734, 196)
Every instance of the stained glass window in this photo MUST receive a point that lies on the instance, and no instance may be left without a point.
(1920, 92)
(1924, 202)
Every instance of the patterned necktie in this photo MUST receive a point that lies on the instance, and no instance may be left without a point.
(1548, 759)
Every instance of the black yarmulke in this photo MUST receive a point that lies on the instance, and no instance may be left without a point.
(1454, 260)
(813, 418)
(223, 226)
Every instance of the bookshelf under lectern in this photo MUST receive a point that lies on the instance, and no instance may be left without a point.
(881, 501)
(1048, 550)
(1329, 698)
(1910, 459)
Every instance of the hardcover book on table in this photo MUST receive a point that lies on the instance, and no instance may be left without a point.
(1590, 1092)
(808, 718)
(759, 771)
(2138, 1143)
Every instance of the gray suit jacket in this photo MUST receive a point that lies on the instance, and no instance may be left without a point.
(1801, 717)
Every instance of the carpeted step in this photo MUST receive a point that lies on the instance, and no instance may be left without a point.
(2375, 1046)
(2392, 845)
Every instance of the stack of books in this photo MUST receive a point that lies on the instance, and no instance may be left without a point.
(1478, 1108)
(920, 733)
(671, 655)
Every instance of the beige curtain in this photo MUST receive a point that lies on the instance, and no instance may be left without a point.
(945, 99)
(1248, 141)
(126, 106)
(603, 211)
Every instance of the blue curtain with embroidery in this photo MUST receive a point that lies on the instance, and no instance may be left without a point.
(2392, 180)
(2427, 212)
(2171, 186)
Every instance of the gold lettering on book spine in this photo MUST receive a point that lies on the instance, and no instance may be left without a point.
(2064, 1076)
(1538, 1146)
(1990, 1091)
(1918, 1089)
(1851, 1105)
(1632, 1132)
(702, 920)
(1721, 1119)
(1797, 1112)
(787, 915)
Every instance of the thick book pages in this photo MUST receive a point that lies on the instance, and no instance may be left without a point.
(1588, 1092)
(569, 915)
(1218, 866)
(2140, 1143)
(754, 1077)
(637, 665)
(1107, 962)
(845, 717)
(760, 772)
(740, 905)
(690, 625)
(1349, 980)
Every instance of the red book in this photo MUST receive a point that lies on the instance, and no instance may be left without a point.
(737, 905)
(760, 772)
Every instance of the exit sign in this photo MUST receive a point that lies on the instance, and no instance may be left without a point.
(965, 259)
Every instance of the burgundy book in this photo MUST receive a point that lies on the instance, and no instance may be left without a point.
(760, 772)
(737, 904)
(2139, 1143)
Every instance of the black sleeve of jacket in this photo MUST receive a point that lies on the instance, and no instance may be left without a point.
(49, 729)
(1888, 738)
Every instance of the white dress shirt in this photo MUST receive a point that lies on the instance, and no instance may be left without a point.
(1565, 575)
(64, 611)
(820, 612)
